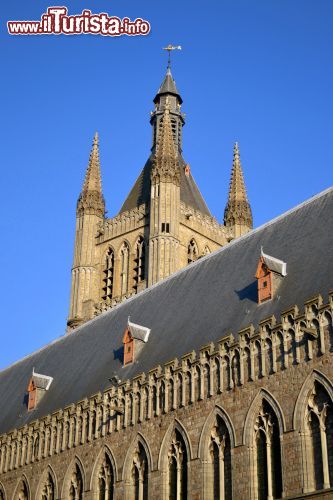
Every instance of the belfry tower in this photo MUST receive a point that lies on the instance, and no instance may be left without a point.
(163, 225)
(164, 203)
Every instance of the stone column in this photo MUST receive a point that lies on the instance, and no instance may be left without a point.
(324, 453)
(269, 468)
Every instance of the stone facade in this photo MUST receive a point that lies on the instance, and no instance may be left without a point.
(150, 239)
(275, 383)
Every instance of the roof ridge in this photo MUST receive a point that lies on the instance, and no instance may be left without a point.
(225, 248)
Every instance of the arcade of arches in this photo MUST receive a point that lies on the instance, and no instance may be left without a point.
(264, 435)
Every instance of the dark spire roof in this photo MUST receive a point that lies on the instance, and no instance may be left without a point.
(168, 87)
(189, 191)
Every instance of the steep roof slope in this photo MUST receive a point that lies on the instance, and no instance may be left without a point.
(201, 303)
(189, 191)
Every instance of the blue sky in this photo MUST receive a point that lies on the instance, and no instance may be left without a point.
(259, 72)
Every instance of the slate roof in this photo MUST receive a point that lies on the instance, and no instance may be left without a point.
(189, 191)
(168, 87)
(203, 302)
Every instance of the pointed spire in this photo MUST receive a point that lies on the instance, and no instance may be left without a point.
(166, 164)
(91, 197)
(238, 211)
(168, 86)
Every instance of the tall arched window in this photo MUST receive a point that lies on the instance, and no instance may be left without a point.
(268, 453)
(220, 459)
(108, 272)
(76, 484)
(319, 438)
(192, 252)
(124, 261)
(139, 474)
(22, 491)
(48, 489)
(177, 460)
(105, 479)
(139, 263)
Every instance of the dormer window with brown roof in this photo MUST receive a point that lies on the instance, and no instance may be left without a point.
(135, 337)
(270, 272)
(38, 385)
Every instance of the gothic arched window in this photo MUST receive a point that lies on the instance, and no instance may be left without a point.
(22, 491)
(268, 453)
(108, 272)
(139, 474)
(139, 263)
(177, 468)
(124, 262)
(76, 484)
(319, 438)
(105, 479)
(48, 489)
(220, 459)
(192, 252)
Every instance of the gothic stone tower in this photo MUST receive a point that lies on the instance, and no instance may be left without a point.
(163, 225)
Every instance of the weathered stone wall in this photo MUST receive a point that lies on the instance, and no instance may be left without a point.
(279, 363)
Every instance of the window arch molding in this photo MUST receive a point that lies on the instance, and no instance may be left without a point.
(302, 399)
(23, 480)
(313, 470)
(2, 492)
(248, 438)
(205, 433)
(124, 243)
(48, 471)
(252, 413)
(128, 462)
(204, 444)
(105, 451)
(76, 462)
(163, 454)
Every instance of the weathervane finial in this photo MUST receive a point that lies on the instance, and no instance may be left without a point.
(169, 48)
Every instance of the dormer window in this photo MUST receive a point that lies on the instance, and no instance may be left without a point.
(269, 273)
(38, 385)
(135, 337)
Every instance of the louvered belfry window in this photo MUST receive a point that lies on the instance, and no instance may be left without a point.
(139, 263)
(108, 272)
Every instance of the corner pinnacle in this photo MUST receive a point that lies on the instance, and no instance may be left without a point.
(91, 197)
(238, 210)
